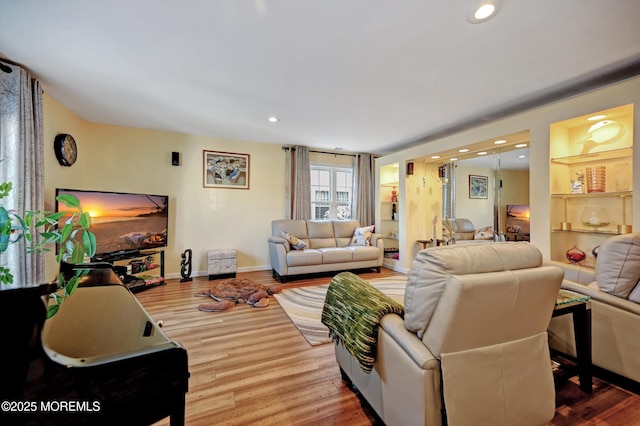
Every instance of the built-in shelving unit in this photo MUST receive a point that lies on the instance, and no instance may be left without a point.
(591, 168)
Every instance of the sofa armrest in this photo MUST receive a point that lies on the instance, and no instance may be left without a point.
(279, 240)
(377, 241)
(278, 249)
(393, 325)
(576, 273)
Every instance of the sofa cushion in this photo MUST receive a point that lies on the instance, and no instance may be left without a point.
(294, 227)
(336, 255)
(296, 243)
(363, 253)
(304, 257)
(343, 231)
(618, 266)
(321, 234)
(432, 268)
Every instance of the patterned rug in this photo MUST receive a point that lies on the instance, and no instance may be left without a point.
(304, 305)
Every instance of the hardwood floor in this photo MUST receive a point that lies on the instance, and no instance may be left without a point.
(252, 366)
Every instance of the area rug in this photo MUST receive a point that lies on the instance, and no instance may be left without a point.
(304, 305)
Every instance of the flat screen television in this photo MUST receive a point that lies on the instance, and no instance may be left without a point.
(123, 222)
(517, 219)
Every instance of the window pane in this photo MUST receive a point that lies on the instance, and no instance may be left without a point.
(320, 185)
(331, 192)
(319, 211)
(344, 212)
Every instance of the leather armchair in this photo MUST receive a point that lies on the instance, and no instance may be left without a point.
(472, 347)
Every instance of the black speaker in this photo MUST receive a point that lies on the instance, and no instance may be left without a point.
(410, 168)
(175, 158)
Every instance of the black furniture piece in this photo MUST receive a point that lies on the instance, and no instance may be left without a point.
(579, 307)
(105, 356)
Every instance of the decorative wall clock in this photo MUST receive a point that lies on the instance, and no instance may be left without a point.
(66, 149)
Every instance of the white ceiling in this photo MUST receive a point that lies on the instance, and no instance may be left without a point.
(362, 75)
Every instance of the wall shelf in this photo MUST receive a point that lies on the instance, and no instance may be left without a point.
(594, 156)
(612, 137)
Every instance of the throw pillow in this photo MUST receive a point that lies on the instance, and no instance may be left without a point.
(295, 243)
(484, 234)
(362, 236)
(361, 240)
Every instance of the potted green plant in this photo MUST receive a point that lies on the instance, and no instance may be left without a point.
(23, 310)
(42, 229)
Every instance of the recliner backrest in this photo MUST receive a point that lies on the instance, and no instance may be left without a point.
(432, 269)
(618, 266)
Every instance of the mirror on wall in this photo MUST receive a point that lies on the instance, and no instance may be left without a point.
(483, 183)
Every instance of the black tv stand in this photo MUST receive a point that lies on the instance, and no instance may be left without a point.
(137, 269)
(116, 255)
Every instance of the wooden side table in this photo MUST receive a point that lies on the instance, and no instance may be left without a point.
(425, 243)
(579, 306)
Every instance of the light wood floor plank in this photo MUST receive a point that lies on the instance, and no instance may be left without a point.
(251, 366)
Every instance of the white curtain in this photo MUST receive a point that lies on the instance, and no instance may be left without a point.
(298, 183)
(21, 155)
(364, 190)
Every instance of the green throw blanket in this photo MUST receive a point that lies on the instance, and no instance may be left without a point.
(352, 311)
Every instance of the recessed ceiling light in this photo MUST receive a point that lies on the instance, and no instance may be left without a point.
(484, 11)
(463, 150)
(482, 153)
(453, 159)
(435, 157)
(596, 117)
(521, 145)
(338, 148)
(273, 119)
(500, 142)
(522, 156)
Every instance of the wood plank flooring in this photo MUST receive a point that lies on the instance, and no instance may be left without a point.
(252, 366)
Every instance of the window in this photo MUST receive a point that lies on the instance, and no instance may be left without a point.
(331, 192)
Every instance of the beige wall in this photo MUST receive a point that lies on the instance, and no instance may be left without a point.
(537, 121)
(121, 159)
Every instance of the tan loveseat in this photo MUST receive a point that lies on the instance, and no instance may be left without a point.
(330, 246)
(472, 348)
(614, 287)
(463, 231)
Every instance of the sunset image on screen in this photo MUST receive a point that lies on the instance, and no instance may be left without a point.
(123, 221)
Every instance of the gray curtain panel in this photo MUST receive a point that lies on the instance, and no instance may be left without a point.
(22, 162)
(298, 183)
(364, 190)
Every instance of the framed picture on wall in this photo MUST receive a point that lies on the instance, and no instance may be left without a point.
(225, 170)
(478, 186)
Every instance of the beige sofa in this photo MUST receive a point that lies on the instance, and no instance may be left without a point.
(330, 246)
(463, 231)
(472, 348)
(614, 287)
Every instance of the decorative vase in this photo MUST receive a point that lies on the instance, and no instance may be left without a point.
(595, 217)
(575, 255)
(596, 179)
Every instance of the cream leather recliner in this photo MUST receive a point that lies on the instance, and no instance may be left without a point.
(472, 348)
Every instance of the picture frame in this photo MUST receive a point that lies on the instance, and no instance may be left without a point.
(225, 170)
(478, 186)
